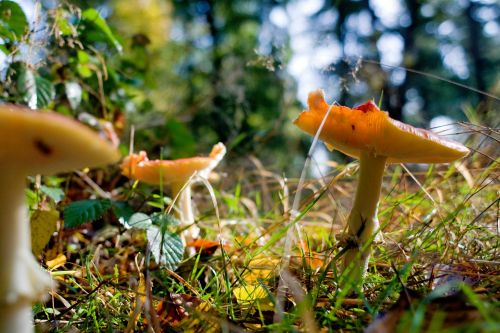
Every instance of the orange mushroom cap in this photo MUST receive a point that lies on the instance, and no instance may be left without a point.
(139, 167)
(367, 128)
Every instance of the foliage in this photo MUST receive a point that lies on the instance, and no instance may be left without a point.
(83, 211)
(13, 22)
(166, 246)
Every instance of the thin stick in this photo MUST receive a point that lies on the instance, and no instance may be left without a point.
(132, 135)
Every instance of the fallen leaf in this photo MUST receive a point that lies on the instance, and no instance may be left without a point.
(139, 301)
(260, 268)
(253, 297)
(43, 225)
(204, 247)
(56, 262)
(182, 312)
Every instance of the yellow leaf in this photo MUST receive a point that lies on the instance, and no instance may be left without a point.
(139, 301)
(43, 225)
(56, 262)
(141, 291)
(260, 268)
(253, 295)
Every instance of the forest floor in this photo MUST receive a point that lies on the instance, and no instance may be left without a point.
(435, 270)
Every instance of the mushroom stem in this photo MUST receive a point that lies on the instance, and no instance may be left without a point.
(363, 221)
(16, 318)
(185, 212)
(22, 281)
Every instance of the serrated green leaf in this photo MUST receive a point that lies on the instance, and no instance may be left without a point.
(45, 92)
(167, 248)
(13, 21)
(36, 91)
(139, 221)
(26, 86)
(55, 193)
(79, 212)
(165, 220)
(93, 16)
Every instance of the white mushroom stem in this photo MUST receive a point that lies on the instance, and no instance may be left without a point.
(185, 211)
(22, 280)
(363, 221)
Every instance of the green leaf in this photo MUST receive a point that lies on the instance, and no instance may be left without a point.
(79, 212)
(45, 92)
(13, 21)
(55, 193)
(84, 71)
(4, 49)
(83, 57)
(167, 248)
(84, 64)
(35, 91)
(27, 87)
(31, 197)
(62, 23)
(165, 220)
(139, 221)
(122, 211)
(93, 16)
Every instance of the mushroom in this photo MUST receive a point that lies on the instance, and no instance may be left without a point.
(32, 143)
(368, 134)
(175, 173)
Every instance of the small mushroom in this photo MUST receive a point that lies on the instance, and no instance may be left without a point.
(175, 173)
(32, 143)
(368, 134)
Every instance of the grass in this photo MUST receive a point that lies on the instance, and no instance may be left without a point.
(436, 270)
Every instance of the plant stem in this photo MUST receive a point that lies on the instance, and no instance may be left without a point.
(363, 221)
(22, 281)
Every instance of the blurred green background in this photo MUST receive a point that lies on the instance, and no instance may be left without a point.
(187, 74)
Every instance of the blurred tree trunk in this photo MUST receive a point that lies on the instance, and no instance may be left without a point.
(342, 67)
(397, 100)
(222, 128)
(474, 46)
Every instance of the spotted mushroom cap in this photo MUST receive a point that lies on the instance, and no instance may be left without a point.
(139, 167)
(367, 128)
(45, 142)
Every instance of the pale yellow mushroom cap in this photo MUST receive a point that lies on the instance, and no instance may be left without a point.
(367, 128)
(45, 142)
